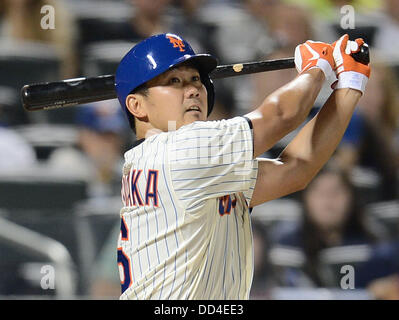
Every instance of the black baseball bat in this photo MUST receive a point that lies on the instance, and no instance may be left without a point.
(71, 92)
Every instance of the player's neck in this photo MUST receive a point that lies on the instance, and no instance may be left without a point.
(145, 130)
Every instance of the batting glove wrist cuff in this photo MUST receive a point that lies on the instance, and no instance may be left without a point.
(325, 66)
(353, 80)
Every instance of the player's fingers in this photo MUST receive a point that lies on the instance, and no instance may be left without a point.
(359, 42)
(343, 41)
(339, 47)
(354, 46)
(303, 53)
(351, 46)
(298, 58)
(315, 54)
(312, 42)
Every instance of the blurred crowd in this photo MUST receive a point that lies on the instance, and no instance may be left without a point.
(60, 169)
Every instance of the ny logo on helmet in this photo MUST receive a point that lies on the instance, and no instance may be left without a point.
(177, 43)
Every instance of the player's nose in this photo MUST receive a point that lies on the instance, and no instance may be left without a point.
(192, 91)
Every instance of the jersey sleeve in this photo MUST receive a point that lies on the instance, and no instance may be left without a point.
(249, 192)
(212, 159)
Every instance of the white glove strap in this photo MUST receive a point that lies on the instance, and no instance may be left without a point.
(327, 70)
(353, 80)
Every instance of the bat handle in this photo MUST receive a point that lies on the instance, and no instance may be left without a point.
(363, 55)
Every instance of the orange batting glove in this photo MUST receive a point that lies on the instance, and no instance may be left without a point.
(350, 73)
(315, 54)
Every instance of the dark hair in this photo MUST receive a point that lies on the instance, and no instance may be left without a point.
(312, 236)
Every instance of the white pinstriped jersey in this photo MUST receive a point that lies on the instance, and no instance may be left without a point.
(185, 224)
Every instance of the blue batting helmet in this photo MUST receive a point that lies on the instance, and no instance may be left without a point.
(155, 55)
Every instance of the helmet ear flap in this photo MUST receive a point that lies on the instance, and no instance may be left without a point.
(210, 88)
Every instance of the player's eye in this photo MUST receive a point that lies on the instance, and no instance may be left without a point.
(196, 78)
(174, 80)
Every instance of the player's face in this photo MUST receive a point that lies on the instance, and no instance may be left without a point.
(176, 98)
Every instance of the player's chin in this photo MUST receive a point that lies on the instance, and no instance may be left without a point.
(191, 116)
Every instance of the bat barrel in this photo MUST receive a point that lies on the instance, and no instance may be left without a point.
(59, 94)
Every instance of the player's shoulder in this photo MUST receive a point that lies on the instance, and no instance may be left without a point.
(145, 148)
(213, 125)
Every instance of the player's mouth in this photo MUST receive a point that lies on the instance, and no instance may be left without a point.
(193, 108)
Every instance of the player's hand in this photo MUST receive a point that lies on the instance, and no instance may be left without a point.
(315, 54)
(350, 73)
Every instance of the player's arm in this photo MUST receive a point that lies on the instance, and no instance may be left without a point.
(286, 108)
(306, 154)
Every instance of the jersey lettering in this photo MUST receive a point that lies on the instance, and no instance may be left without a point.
(130, 188)
(152, 188)
(135, 191)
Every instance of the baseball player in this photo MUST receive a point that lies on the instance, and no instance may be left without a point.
(188, 184)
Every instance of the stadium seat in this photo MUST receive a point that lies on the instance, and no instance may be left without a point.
(40, 201)
(386, 213)
(102, 57)
(27, 62)
(45, 138)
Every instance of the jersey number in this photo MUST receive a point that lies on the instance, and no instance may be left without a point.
(225, 205)
(123, 259)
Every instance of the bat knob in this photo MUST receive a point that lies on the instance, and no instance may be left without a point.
(363, 55)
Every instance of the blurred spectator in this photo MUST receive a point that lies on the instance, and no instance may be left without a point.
(241, 31)
(262, 280)
(152, 17)
(21, 21)
(240, 35)
(101, 140)
(371, 138)
(386, 288)
(290, 25)
(386, 39)
(149, 17)
(265, 83)
(200, 34)
(287, 36)
(145, 18)
(333, 226)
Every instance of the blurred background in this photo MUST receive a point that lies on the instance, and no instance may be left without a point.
(60, 169)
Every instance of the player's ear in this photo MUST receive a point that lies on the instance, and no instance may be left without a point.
(135, 105)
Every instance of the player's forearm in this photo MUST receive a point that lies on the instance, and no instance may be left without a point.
(296, 98)
(285, 109)
(319, 138)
